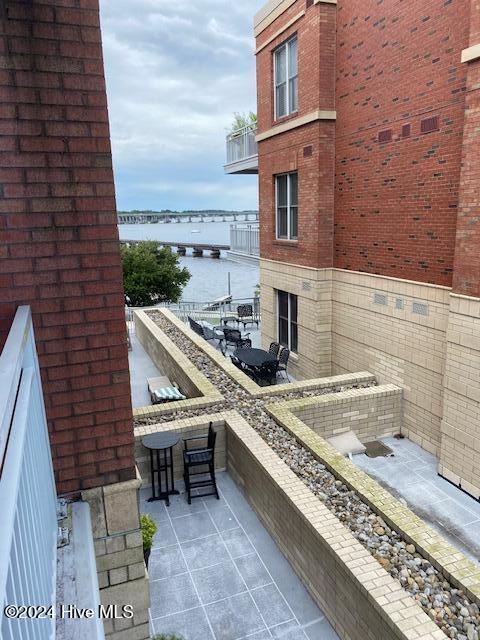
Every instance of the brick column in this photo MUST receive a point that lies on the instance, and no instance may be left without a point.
(460, 445)
(59, 253)
(466, 277)
(59, 247)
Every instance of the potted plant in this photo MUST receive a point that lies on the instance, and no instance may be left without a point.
(149, 529)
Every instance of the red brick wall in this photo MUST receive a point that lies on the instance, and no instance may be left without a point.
(467, 252)
(59, 249)
(285, 152)
(396, 203)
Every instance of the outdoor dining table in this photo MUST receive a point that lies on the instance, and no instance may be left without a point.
(156, 443)
(254, 357)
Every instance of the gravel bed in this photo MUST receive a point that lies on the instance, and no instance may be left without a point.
(446, 605)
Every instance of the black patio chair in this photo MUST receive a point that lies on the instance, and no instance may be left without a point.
(283, 361)
(195, 326)
(236, 362)
(210, 333)
(200, 461)
(234, 338)
(245, 315)
(274, 348)
(266, 374)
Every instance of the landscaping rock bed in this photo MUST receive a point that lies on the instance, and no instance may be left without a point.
(450, 609)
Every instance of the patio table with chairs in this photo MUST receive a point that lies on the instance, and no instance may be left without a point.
(263, 366)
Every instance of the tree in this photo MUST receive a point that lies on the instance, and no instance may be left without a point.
(241, 120)
(152, 274)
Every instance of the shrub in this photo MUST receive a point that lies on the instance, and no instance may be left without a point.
(149, 529)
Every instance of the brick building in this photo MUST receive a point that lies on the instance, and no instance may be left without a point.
(369, 178)
(59, 253)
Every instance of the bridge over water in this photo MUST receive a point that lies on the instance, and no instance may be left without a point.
(197, 247)
(151, 217)
(244, 244)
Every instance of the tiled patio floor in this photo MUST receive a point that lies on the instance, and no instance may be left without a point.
(216, 574)
(412, 475)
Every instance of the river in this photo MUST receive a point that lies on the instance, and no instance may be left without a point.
(209, 277)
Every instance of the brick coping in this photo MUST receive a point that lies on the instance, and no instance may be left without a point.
(461, 571)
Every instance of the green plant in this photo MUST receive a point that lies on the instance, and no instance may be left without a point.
(152, 274)
(241, 120)
(163, 636)
(149, 529)
(257, 290)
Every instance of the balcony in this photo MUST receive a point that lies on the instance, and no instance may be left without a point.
(244, 243)
(242, 151)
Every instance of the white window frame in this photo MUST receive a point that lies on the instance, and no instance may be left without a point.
(285, 45)
(289, 206)
(289, 319)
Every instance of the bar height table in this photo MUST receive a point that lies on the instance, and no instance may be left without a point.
(161, 446)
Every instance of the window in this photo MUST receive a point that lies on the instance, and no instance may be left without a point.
(287, 305)
(286, 78)
(287, 206)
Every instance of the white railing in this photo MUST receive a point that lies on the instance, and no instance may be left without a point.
(242, 145)
(212, 311)
(28, 521)
(245, 238)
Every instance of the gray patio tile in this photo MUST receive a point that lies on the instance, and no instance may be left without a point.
(453, 516)
(172, 595)
(288, 631)
(191, 625)
(197, 525)
(253, 571)
(218, 582)
(234, 618)
(320, 630)
(156, 509)
(166, 562)
(237, 543)
(223, 518)
(469, 536)
(271, 604)
(180, 507)
(165, 536)
(204, 552)
(261, 635)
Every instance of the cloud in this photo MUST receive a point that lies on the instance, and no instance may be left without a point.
(176, 72)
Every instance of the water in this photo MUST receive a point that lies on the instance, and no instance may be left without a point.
(209, 277)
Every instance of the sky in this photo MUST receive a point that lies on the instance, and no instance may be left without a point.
(176, 72)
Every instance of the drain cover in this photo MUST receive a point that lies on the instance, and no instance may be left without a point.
(377, 449)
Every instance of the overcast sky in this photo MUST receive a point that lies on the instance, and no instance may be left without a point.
(176, 72)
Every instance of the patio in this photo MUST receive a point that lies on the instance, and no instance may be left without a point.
(412, 475)
(216, 574)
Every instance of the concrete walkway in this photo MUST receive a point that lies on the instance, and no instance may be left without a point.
(216, 574)
(141, 368)
(412, 474)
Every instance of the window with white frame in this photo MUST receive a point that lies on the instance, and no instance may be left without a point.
(286, 78)
(287, 309)
(286, 186)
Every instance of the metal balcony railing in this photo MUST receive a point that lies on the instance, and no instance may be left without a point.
(28, 529)
(242, 145)
(245, 239)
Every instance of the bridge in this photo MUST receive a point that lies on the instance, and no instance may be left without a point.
(197, 248)
(152, 217)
